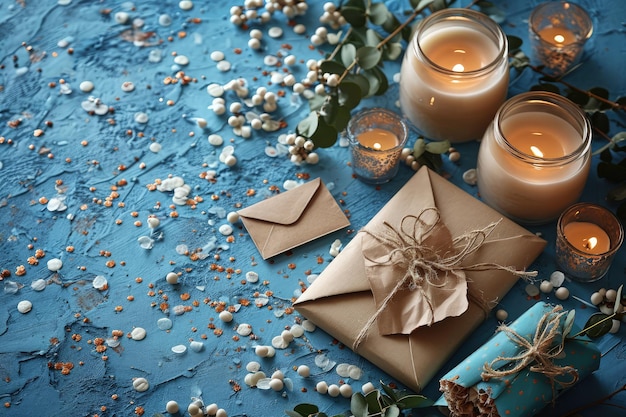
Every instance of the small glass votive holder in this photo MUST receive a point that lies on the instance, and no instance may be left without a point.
(587, 238)
(376, 137)
(558, 32)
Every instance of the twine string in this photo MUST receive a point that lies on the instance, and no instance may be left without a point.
(425, 265)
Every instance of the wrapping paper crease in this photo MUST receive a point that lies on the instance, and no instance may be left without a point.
(343, 289)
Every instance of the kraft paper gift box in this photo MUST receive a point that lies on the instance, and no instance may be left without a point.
(293, 218)
(401, 334)
(520, 384)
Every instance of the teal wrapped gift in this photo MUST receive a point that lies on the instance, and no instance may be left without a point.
(523, 368)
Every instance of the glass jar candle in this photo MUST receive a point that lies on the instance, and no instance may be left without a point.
(454, 75)
(534, 158)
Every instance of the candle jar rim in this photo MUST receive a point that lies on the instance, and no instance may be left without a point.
(390, 115)
(538, 12)
(467, 15)
(558, 103)
(614, 243)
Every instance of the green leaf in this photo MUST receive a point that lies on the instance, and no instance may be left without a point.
(307, 126)
(414, 401)
(611, 172)
(378, 13)
(438, 147)
(349, 94)
(306, 409)
(419, 148)
(578, 97)
(598, 325)
(392, 411)
(325, 135)
(377, 80)
(546, 87)
(373, 405)
(316, 102)
(360, 80)
(392, 51)
(348, 54)
(389, 391)
(358, 405)
(372, 38)
(368, 56)
(618, 193)
(355, 16)
(621, 212)
(342, 118)
(600, 121)
(515, 43)
(291, 413)
(569, 323)
(597, 104)
(438, 5)
(420, 4)
(332, 67)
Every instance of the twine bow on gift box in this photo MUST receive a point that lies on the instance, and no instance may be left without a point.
(430, 263)
(538, 354)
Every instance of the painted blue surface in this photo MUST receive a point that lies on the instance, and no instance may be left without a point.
(104, 52)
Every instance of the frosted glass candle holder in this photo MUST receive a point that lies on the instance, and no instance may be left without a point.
(588, 237)
(376, 137)
(558, 32)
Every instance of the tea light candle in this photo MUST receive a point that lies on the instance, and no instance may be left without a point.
(454, 75)
(588, 237)
(558, 32)
(376, 138)
(534, 159)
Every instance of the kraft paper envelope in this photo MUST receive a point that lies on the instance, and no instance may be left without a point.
(293, 218)
(343, 290)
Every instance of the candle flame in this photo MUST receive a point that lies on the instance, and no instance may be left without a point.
(377, 146)
(536, 151)
(591, 243)
(559, 38)
(458, 68)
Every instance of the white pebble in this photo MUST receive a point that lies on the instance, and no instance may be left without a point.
(172, 407)
(299, 29)
(562, 293)
(211, 409)
(121, 17)
(179, 349)
(232, 217)
(321, 387)
(194, 410)
(216, 140)
(367, 388)
(164, 323)
(256, 34)
(557, 278)
(254, 43)
(611, 295)
(181, 60)
(185, 4)
(226, 316)
(275, 32)
(502, 315)
(226, 229)
(230, 161)
(596, 298)
(276, 384)
(24, 306)
(223, 66)
(217, 56)
(141, 384)
(155, 147)
(86, 86)
(546, 287)
(470, 177)
(532, 290)
(196, 346)
(54, 264)
(345, 390)
(252, 277)
(244, 329)
(334, 390)
(141, 117)
(221, 413)
(304, 371)
(165, 20)
(138, 333)
(172, 278)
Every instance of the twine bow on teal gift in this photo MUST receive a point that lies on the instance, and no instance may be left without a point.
(417, 272)
(537, 355)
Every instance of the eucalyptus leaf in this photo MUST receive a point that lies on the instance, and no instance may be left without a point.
(420, 4)
(349, 94)
(389, 391)
(597, 104)
(355, 16)
(414, 401)
(578, 97)
(378, 13)
(392, 411)
(392, 51)
(316, 102)
(598, 325)
(332, 67)
(600, 121)
(546, 87)
(438, 5)
(373, 405)
(306, 409)
(360, 80)
(437, 147)
(419, 148)
(372, 37)
(378, 81)
(307, 126)
(325, 135)
(358, 405)
(368, 56)
(569, 323)
(291, 413)
(611, 172)
(348, 54)
(515, 42)
(342, 118)
(359, 4)
(617, 308)
(617, 193)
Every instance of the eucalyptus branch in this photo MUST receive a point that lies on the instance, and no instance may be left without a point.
(614, 105)
(586, 329)
(340, 44)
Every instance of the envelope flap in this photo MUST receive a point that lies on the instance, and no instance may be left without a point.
(293, 205)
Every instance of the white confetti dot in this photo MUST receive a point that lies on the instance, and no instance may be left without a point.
(562, 293)
(185, 4)
(244, 329)
(275, 32)
(164, 323)
(252, 277)
(86, 86)
(138, 333)
(181, 60)
(128, 86)
(226, 316)
(38, 284)
(179, 349)
(155, 147)
(196, 346)
(141, 117)
(226, 229)
(223, 66)
(217, 56)
(532, 290)
(557, 278)
(141, 384)
(54, 264)
(99, 282)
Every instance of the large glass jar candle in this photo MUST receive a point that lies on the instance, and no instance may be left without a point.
(534, 158)
(454, 75)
